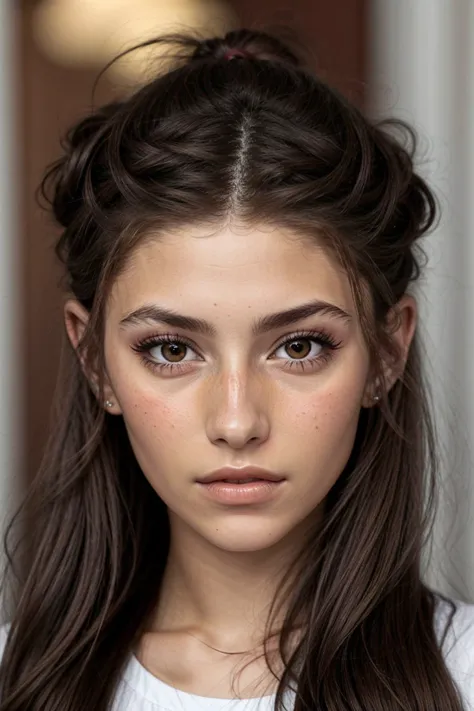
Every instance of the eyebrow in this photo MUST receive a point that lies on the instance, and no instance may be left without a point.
(264, 324)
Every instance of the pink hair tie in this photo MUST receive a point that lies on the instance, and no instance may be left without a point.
(231, 53)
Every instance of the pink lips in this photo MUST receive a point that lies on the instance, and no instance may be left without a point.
(229, 485)
(232, 474)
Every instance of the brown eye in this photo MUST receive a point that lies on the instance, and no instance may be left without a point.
(300, 348)
(173, 352)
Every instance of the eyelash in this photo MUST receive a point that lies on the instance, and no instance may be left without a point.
(325, 340)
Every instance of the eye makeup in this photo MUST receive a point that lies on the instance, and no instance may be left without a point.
(325, 342)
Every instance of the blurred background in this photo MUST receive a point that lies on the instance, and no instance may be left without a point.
(392, 57)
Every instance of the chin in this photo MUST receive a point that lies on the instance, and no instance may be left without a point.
(245, 538)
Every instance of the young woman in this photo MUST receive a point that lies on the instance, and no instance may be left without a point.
(236, 495)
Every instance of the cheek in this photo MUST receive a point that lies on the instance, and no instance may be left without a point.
(326, 424)
(150, 420)
(151, 423)
(331, 411)
(156, 432)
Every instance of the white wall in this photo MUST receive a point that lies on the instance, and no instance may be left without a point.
(10, 286)
(422, 70)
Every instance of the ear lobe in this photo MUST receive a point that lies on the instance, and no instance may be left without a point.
(401, 323)
(76, 318)
(372, 394)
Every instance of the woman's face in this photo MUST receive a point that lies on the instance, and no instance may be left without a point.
(286, 398)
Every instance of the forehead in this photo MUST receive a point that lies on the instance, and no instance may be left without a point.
(229, 267)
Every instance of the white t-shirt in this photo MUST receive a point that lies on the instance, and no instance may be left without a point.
(139, 690)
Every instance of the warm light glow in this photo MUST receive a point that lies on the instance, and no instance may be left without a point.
(91, 32)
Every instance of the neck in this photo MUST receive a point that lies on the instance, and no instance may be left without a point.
(222, 597)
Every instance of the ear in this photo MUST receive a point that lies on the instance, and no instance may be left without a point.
(76, 318)
(401, 321)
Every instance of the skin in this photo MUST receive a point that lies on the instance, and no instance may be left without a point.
(235, 403)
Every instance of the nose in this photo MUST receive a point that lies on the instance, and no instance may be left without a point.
(237, 412)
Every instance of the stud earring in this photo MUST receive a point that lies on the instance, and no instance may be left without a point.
(376, 396)
(109, 403)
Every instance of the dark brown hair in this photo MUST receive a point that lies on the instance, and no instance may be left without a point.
(258, 138)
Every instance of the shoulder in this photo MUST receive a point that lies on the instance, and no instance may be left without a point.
(454, 625)
(456, 619)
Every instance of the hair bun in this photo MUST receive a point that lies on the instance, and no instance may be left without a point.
(246, 44)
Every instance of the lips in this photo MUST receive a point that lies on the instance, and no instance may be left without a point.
(231, 474)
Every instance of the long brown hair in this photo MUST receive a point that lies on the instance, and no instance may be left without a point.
(260, 138)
